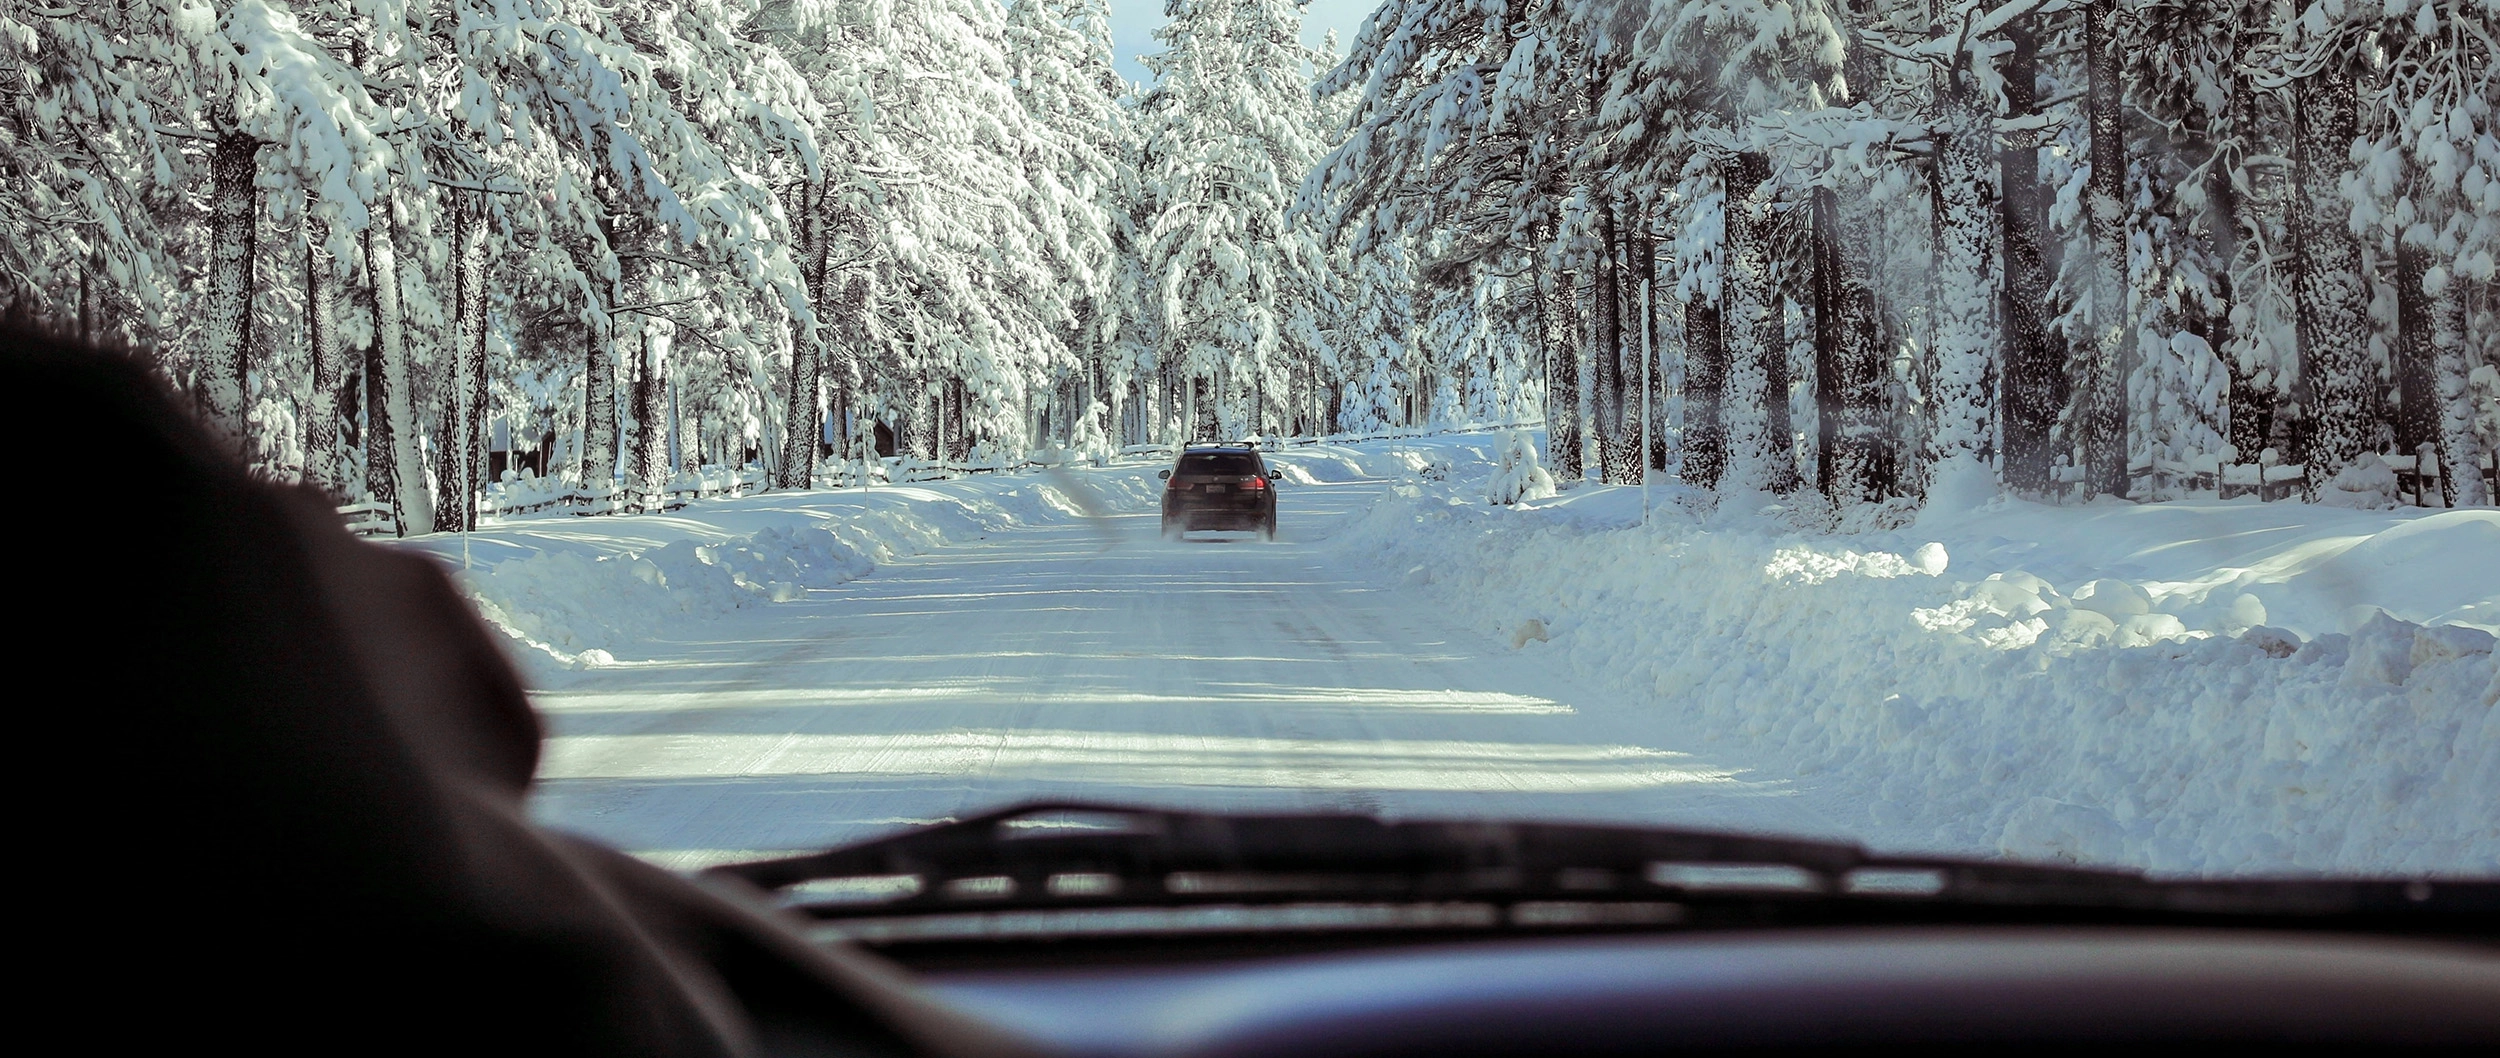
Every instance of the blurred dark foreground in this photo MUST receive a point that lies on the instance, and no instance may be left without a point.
(276, 782)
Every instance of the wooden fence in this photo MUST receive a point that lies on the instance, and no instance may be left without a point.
(531, 495)
(2417, 478)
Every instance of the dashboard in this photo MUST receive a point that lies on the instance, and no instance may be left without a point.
(1940, 987)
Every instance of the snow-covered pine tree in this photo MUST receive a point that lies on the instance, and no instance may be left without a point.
(251, 77)
(665, 119)
(617, 164)
(1453, 129)
(1969, 241)
(2194, 395)
(967, 320)
(1060, 56)
(1380, 341)
(1225, 151)
(1452, 343)
(1516, 476)
(96, 143)
(2178, 389)
(2432, 178)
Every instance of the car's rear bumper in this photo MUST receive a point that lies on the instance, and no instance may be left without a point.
(1247, 516)
(1220, 521)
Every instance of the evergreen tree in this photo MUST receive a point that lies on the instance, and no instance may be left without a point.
(1225, 147)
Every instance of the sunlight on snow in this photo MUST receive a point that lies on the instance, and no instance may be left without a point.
(1133, 759)
(1017, 692)
(1808, 566)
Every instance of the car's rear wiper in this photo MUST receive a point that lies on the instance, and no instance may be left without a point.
(1088, 868)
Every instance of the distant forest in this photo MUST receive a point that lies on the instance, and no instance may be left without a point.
(1877, 253)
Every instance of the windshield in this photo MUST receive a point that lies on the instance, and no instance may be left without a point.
(1870, 423)
(1227, 463)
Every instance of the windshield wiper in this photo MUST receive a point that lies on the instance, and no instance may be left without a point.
(1074, 868)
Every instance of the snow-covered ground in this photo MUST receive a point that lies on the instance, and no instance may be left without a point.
(2211, 688)
(2193, 687)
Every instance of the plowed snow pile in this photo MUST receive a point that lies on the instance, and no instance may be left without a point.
(577, 592)
(2195, 687)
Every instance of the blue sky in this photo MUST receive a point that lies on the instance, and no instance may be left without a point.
(1133, 20)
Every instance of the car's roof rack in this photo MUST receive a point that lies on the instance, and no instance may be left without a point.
(1220, 444)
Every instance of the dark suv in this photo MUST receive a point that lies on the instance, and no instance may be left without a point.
(1219, 487)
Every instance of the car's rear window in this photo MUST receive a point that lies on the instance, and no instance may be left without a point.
(1221, 463)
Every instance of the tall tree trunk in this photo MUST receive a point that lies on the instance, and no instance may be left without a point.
(639, 426)
(471, 295)
(685, 429)
(1172, 418)
(1302, 421)
(1779, 420)
(959, 420)
(1830, 367)
(2332, 317)
(463, 458)
(1258, 402)
(2460, 448)
(1564, 421)
(1866, 437)
(233, 230)
(838, 417)
(1969, 229)
(2252, 409)
(447, 502)
(394, 470)
(1705, 385)
(1204, 424)
(1848, 365)
(329, 370)
(1084, 386)
(2417, 386)
(1760, 455)
(800, 438)
(2102, 409)
(842, 346)
(1606, 419)
(599, 424)
(2027, 394)
(1558, 340)
(87, 313)
(1654, 383)
(919, 419)
(610, 404)
(650, 457)
(381, 440)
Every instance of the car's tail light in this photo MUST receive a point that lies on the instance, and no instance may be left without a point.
(1254, 484)
(1179, 486)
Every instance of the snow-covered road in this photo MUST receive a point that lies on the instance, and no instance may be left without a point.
(1087, 659)
(2201, 687)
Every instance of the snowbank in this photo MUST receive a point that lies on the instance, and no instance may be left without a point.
(577, 592)
(2202, 688)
